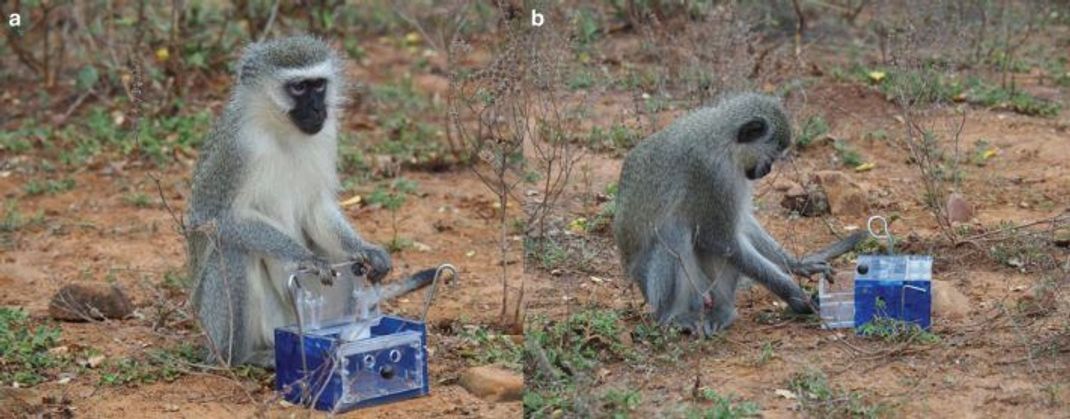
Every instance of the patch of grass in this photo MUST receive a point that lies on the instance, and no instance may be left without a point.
(580, 80)
(586, 27)
(848, 156)
(813, 128)
(18, 140)
(895, 330)
(483, 347)
(619, 403)
(765, 354)
(37, 187)
(546, 253)
(411, 140)
(818, 399)
(929, 86)
(177, 281)
(24, 349)
(393, 198)
(1012, 99)
(583, 340)
(722, 407)
(618, 138)
(155, 365)
(1022, 250)
(137, 199)
(13, 220)
(557, 354)
(157, 137)
(878, 134)
(662, 344)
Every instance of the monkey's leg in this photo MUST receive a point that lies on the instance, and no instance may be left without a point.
(751, 263)
(219, 300)
(723, 295)
(673, 281)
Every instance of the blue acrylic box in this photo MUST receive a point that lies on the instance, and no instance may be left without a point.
(893, 286)
(389, 365)
(343, 353)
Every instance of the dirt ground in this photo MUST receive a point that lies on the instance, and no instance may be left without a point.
(984, 364)
(90, 233)
(1006, 355)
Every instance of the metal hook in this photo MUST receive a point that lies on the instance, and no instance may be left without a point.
(434, 285)
(295, 287)
(884, 227)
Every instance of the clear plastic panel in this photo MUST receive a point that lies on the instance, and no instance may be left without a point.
(350, 301)
(837, 306)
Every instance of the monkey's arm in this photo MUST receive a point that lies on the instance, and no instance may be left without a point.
(768, 246)
(816, 262)
(255, 235)
(751, 263)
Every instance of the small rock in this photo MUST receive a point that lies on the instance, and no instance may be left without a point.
(421, 247)
(948, 301)
(958, 210)
(170, 408)
(810, 203)
(493, 384)
(844, 196)
(92, 301)
(92, 362)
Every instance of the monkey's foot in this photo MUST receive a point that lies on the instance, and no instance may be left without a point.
(705, 324)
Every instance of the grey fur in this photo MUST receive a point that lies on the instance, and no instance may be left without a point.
(263, 204)
(685, 226)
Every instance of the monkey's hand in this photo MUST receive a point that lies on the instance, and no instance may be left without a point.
(319, 268)
(376, 260)
(808, 267)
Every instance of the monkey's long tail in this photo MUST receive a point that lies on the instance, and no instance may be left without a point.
(416, 281)
(843, 246)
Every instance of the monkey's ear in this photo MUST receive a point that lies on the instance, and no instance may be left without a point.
(752, 130)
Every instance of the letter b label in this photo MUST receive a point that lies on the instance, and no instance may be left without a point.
(537, 18)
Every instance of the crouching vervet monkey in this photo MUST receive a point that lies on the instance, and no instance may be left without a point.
(685, 225)
(264, 200)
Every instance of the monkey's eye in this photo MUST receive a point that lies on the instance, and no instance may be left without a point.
(319, 85)
(297, 88)
(752, 131)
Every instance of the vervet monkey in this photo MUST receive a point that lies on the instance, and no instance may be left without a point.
(685, 224)
(264, 199)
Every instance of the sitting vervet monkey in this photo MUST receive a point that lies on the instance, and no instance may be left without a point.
(685, 225)
(264, 199)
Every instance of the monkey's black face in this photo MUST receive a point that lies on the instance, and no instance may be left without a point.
(310, 104)
(758, 137)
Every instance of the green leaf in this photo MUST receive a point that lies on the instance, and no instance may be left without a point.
(87, 77)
